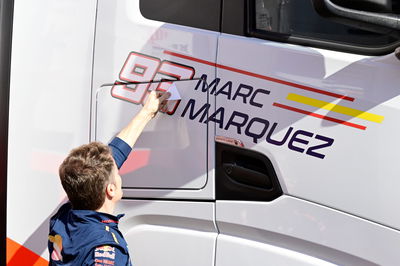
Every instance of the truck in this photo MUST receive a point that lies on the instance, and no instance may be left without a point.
(281, 148)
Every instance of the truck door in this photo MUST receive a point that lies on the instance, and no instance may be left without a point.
(168, 191)
(315, 105)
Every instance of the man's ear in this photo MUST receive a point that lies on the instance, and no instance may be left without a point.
(111, 190)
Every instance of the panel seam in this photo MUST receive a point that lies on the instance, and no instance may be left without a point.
(92, 109)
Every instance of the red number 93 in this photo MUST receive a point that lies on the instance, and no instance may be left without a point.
(143, 68)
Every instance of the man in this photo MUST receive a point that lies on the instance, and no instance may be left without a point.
(84, 231)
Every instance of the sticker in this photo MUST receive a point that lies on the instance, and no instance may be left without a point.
(173, 90)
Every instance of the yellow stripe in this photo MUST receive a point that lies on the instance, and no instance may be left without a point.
(115, 238)
(335, 108)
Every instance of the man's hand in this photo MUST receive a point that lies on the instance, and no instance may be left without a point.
(156, 101)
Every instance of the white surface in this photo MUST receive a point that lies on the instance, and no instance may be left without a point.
(359, 173)
(49, 109)
(125, 42)
(239, 251)
(305, 230)
(171, 233)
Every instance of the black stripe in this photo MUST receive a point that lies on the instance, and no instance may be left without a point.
(6, 21)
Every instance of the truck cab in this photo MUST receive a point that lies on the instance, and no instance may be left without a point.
(280, 149)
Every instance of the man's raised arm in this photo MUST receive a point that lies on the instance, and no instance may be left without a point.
(132, 131)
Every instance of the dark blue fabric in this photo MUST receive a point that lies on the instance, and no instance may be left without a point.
(120, 151)
(82, 231)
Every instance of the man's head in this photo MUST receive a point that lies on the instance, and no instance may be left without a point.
(89, 176)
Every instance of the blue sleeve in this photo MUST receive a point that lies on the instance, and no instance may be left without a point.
(108, 256)
(120, 151)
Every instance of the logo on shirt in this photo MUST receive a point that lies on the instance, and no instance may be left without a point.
(104, 255)
(57, 247)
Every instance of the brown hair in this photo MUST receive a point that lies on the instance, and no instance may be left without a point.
(85, 174)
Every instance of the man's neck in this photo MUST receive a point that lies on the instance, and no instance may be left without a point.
(107, 207)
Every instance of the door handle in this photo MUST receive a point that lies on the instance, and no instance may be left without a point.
(247, 176)
(244, 174)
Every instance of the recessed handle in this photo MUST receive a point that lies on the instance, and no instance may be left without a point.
(247, 176)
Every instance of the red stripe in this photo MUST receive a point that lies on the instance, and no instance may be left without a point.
(109, 221)
(190, 58)
(299, 86)
(319, 116)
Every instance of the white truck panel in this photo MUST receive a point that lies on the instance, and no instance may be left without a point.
(49, 109)
(346, 103)
(169, 232)
(300, 227)
(170, 158)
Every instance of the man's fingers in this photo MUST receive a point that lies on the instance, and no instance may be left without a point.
(153, 95)
(163, 104)
(163, 108)
(165, 96)
(159, 99)
(158, 93)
